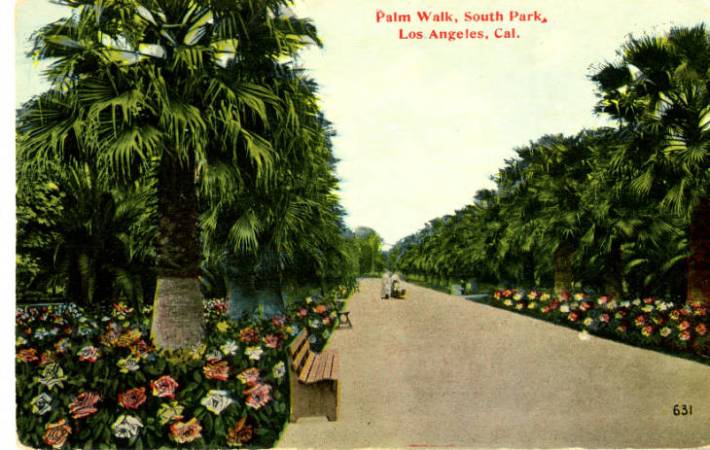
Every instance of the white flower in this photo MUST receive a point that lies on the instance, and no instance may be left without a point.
(314, 323)
(126, 427)
(625, 304)
(564, 308)
(214, 355)
(254, 353)
(41, 404)
(229, 348)
(279, 370)
(636, 302)
(216, 401)
(129, 364)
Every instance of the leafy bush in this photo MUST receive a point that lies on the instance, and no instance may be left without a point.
(648, 322)
(94, 381)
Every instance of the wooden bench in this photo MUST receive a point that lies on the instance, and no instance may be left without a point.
(313, 378)
(343, 316)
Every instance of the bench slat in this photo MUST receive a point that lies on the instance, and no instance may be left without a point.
(300, 357)
(296, 344)
(303, 376)
(336, 367)
(329, 364)
(315, 369)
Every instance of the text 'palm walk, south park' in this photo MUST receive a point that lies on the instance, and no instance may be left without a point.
(460, 25)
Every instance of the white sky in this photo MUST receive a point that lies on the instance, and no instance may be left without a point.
(423, 124)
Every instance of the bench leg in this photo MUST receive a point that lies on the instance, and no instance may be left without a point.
(331, 406)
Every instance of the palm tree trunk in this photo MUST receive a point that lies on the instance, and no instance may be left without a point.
(178, 313)
(613, 276)
(563, 267)
(699, 261)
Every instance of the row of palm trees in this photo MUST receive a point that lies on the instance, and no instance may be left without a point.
(197, 148)
(618, 210)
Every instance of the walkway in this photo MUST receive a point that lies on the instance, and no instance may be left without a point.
(438, 371)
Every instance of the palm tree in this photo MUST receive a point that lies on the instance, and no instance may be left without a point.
(172, 83)
(660, 91)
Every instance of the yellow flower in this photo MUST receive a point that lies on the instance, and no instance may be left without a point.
(223, 326)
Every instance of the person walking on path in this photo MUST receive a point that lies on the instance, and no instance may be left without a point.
(386, 291)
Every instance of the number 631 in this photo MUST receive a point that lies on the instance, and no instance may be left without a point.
(682, 410)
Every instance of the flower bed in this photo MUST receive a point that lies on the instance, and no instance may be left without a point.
(95, 381)
(650, 322)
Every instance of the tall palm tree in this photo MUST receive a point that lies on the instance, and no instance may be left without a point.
(660, 91)
(170, 82)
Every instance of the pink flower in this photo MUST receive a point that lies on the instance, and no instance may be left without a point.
(258, 396)
(701, 329)
(272, 341)
(84, 404)
(603, 300)
(164, 387)
(278, 321)
(684, 335)
(573, 316)
(605, 318)
(647, 330)
(250, 376)
(302, 312)
(684, 325)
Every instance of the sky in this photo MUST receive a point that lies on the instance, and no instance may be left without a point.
(423, 124)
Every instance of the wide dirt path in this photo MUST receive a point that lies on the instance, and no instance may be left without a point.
(439, 371)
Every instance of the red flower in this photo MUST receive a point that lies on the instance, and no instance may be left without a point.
(507, 293)
(647, 330)
(684, 325)
(84, 404)
(603, 300)
(56, 433)
(27, 355)
(605, 318)
(164, 387)
(701, 329)
(584, 306)
(47, 358)
(565, 296)
(573, 316)
(249, 335)
(132, 398)
(217, 371)
(640, 320)
(684, 335)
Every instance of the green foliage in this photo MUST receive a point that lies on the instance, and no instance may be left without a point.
(108, 354)
(607, 209)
